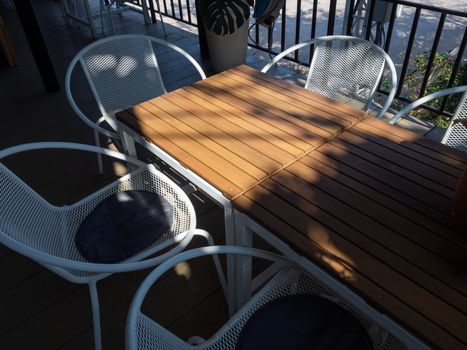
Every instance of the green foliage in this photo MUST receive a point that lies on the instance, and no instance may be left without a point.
(438, 79)
(224, 16)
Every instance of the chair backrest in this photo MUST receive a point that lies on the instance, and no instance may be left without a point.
(456, 133)
(26, 217)
(122, 71)
(346, 69)
(143, 333)
(33, 227)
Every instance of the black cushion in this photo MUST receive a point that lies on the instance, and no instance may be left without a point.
(122, 225)
(303, 322)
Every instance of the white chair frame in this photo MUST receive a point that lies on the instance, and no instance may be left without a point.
(460, 114)
(135, 308)
(346, 38)
(109, 116)
(88, 21)
(78, 59)
(63, 266)
(139, 325)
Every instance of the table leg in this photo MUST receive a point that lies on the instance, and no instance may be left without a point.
(231, 259)
(243, 238)
(129, 148)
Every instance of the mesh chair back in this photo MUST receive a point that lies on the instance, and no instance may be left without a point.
(122, 72)
(26, 217)
(345, 70)
(456, 133)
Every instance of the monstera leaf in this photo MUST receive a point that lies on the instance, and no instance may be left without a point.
(223, 16)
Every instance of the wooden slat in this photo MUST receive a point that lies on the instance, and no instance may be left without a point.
(257, 106)
(434, 159)
(341, 153)
(431, 189)
(323, 126)
(267, 156)
(422, 144)
(352, 112)
(412, 242)
(313, 108)
(409, 167)
(269, 121)
(398, 201)
(330, 253)
(286, 93)
(273, 136)
(196, 130)
(218, 180)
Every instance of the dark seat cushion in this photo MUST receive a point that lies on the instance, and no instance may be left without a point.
(122, 225)
(303, 322)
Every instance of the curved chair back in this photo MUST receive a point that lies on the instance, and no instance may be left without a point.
(43, 232)
(346, 69)
(144, 333)
(456, 132)
(122, 71)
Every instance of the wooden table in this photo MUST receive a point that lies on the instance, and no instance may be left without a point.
(372, 207)
(369, 202)
(231, 131)
(237, 128)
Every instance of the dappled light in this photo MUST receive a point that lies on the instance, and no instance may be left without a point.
(364, 205)
(183, 270)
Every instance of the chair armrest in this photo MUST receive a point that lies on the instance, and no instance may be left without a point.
(408, 108)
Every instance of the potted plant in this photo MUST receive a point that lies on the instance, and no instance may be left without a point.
(226, 24)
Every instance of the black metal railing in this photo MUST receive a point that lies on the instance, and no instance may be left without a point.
(295, 25)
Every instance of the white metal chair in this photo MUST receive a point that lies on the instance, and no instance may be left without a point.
(345, 69)
(73, 11)
(456, 132)
(143, 333)
(46, 233)
(122, 71)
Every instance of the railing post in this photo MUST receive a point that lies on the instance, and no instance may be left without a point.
(203, 45)
(331, 17)
(36, 42)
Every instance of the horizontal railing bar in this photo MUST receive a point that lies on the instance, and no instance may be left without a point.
(429, 7)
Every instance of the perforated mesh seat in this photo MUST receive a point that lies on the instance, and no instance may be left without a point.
(456, 132)
(122, 71)
(345, 69)
(46, 233)
(144, 333)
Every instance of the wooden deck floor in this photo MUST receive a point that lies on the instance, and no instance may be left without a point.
(37, 308)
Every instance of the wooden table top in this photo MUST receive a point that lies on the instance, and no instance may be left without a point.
(372, 206)
(237, 128)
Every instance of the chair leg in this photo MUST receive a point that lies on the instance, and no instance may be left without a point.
(99, 156)
(96, 321)
(216, 260)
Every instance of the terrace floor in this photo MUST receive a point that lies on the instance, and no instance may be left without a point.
(37, 308)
